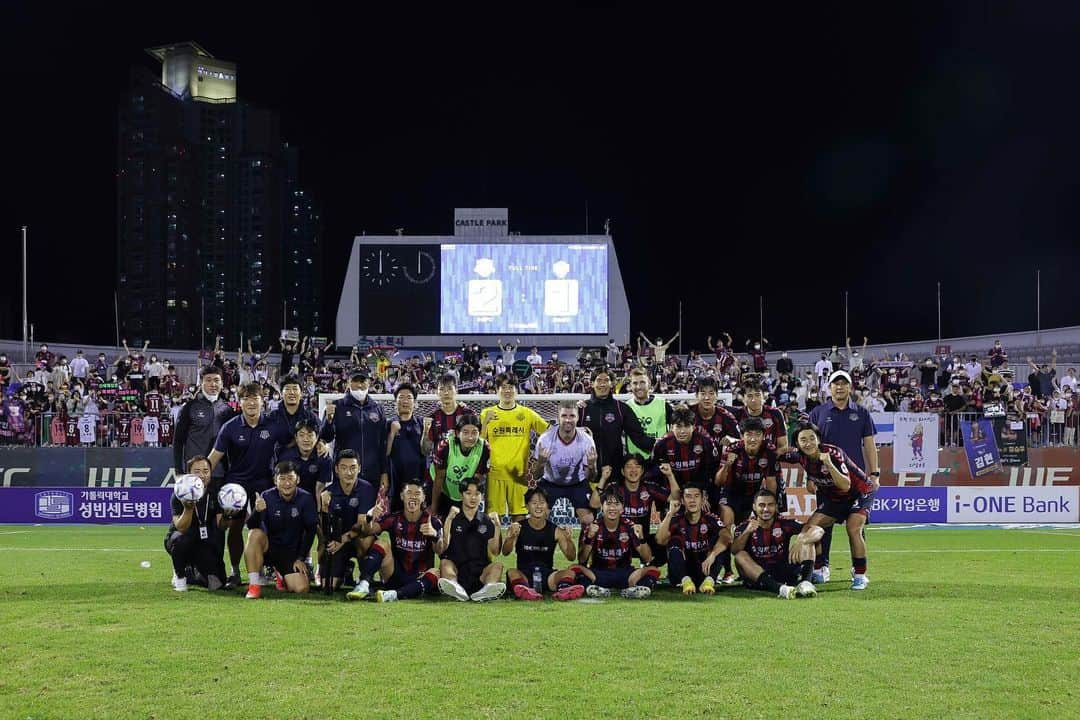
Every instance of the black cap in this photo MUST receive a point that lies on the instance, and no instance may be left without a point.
(359, 374)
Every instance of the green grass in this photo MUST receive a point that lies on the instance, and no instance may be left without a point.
(956, 623)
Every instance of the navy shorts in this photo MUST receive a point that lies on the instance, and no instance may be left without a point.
(527, 571)
(615, 579)
(577, 495)
(741, 505)
(281, 559)
(839, 510)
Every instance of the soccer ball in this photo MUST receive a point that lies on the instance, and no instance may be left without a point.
(233, 499)
(189, 488)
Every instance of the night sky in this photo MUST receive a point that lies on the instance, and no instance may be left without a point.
(796, 153)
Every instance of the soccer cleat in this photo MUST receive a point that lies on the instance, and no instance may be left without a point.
(233, 581)
(786, 592)
(524, 592)
(821, 576)
(179, 584)
(687, 586)
(595, 591)
(636, 592)
(385, 596)
(572, 592)
(451, 588)
(267, 573)
(213, 582)
(728, 579)
(279, 582)
(805, 589)
(254, 592)
(708, 586)
(490, 591)
(860, 582)
(359, 592)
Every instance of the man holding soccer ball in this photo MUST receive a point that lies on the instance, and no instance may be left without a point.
(192, 540)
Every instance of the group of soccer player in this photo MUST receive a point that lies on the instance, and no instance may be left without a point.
(467, 489)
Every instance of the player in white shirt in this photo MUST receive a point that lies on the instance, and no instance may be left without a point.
(564, 462)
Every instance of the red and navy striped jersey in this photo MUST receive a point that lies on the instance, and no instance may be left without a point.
(412, 550)
(769, 545)
(747, 472)
(720, 424)
(816, 472)
(771, 418)
(695, 538)
(695, 461)
(612, 548)
(442, 424)
(637, 503)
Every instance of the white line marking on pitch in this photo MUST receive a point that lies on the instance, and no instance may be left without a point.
(1047, 532)
(15, 532)
(78, 549)
(982, 550)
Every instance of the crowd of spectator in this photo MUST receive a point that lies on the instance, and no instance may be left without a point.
(118, 393)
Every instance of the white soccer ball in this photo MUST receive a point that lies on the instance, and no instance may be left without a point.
(233, 499)
(189, 488)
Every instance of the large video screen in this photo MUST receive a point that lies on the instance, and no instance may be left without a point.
(529, 288)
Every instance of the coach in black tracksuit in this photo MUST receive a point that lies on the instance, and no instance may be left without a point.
(199, 421)
(607, 419)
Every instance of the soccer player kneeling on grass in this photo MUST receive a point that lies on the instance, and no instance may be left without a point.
(193, 539)
(469, 542)
(281, 530)
(696, 543)
(775, 554)
(534, 541)
(608, 546)
(344, 502)
(406, 561)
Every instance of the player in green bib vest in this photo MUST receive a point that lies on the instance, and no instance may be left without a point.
(654, 413)
(462, 455)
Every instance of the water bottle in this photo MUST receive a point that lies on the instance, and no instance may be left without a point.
(537, 580)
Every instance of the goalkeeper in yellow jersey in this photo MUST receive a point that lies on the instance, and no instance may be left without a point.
(508, 429)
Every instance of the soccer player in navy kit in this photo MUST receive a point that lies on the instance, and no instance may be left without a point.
(696, 541)
(247, 444)
(775, 554)
(404, 458)
(344, 502)
(533, 542)
(846, 492)
(406, 561)
(467, 570)
(281, 530)
(608, 546)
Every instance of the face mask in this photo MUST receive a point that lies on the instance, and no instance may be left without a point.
(212, 398)
(359, 395)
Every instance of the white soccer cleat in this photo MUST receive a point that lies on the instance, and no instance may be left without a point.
(636, 592)
(821, 576)
(451, 588)
(359, 592)
(491, 591)
(860, 582)
(805, 589)
(786, 592)
(179, 584)
(385, 596)
(595, 591)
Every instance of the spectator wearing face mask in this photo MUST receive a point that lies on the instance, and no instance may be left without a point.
(998, 356)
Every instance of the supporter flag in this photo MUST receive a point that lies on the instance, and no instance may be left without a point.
(150, 430)
(71, 432)
(883, 424)
(915, 443)
(88, 429)
(56, 431)
(136, 430)
(980, 445)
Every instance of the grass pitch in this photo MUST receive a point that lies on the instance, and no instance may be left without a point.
(956, 623)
